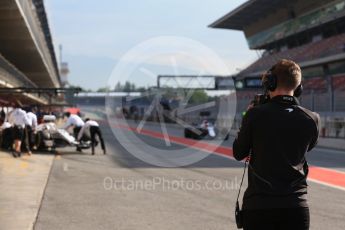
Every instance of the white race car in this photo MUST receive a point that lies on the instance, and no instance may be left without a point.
(49, 137)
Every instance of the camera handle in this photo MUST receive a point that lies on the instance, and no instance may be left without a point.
(238, 212)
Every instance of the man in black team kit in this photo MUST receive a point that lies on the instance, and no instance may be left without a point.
(277, 135)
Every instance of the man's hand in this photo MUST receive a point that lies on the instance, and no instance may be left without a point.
(250, 106)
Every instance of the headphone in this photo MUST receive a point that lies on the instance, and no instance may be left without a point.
(270, 83)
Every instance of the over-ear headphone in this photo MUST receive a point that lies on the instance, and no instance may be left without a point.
(298, 91)
(270, 83)
(270, 80)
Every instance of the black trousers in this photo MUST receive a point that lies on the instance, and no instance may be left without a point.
(276, 219)
(31, 137)
(76, 130)
(7, 139)
(18, 133)
(27, 131)
(95, 130)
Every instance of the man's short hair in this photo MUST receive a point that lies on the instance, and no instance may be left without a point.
(67, 114)
(17, 104)
(27, 109)
(288, 74)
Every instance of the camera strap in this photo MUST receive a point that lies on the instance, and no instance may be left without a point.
(238, 212)
(244, 173)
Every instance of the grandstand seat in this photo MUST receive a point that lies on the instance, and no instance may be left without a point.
(339, 83)
(319, 49)
(315, 83)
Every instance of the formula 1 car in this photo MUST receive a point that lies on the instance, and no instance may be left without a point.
(49, 137)
(205, 130)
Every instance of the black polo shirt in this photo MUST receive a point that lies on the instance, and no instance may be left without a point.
(278, 135)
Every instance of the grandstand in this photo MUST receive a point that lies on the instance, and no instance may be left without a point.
(310, 32)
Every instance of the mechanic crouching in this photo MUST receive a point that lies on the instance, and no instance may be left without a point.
(77, 123)
(91, 129)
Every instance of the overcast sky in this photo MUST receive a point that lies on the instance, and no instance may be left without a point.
(97, 34)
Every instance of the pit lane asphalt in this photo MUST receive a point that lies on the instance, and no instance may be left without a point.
(76, 196)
